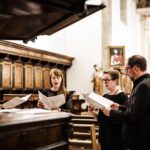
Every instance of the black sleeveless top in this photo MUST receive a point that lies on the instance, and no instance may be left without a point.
(110, 131)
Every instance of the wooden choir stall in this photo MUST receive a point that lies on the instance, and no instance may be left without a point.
(24, 70)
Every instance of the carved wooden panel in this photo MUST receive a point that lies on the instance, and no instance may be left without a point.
(6, 74)
(38, 77)
(18, 75)
(28, 76)
(46, 74)
(17, 67)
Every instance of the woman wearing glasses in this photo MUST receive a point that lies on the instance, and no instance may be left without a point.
(110, 137)
(110, 131)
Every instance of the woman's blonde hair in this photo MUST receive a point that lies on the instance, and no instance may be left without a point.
(58, 73)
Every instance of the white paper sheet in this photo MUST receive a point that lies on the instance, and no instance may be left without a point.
(15, 102)
(33, 111)
(9, 110)
(53, 101)
(97, 101)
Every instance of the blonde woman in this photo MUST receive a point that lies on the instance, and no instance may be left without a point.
(57, 86)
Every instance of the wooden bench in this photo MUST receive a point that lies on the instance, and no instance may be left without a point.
(84, 135)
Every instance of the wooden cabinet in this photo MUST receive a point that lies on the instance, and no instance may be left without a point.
(18, 75)
(6, 74)
(28, 69)
(38, 77)
(34, 131)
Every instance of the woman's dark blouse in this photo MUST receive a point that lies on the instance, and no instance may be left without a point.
(64, 107)
(110, 131)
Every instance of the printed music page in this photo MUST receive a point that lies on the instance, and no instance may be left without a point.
(52, 101)
(15, 102)
(97, 101)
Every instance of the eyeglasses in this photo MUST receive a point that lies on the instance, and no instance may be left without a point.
(127, 68)
(106, 80)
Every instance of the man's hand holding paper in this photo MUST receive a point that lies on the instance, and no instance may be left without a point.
(106, 111)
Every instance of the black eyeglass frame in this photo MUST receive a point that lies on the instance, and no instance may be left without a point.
(107, 80)
(127, 68)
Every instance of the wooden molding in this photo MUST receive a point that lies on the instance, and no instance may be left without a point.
(43, 55)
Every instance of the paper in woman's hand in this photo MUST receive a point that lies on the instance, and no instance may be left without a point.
(15, 102)
(97, 101)
(53, 101)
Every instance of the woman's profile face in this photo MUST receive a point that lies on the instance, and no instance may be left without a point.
(56, 81)
(109, 83)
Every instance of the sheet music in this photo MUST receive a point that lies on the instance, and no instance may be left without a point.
(97, 101)
(33, 111)
(15, 102)
(44, 100)
(53, 101)
(9, 110)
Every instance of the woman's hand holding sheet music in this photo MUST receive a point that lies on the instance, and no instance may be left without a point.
(114, 106)
(40, 105)
(106, 111)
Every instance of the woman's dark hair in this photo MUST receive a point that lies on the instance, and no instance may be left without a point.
(113, 73)
(137, 60)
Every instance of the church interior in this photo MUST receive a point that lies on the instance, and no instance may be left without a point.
(82, 38)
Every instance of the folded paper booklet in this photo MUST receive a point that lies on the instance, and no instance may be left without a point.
(15, 102)
(97, 101)
(53, 101)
